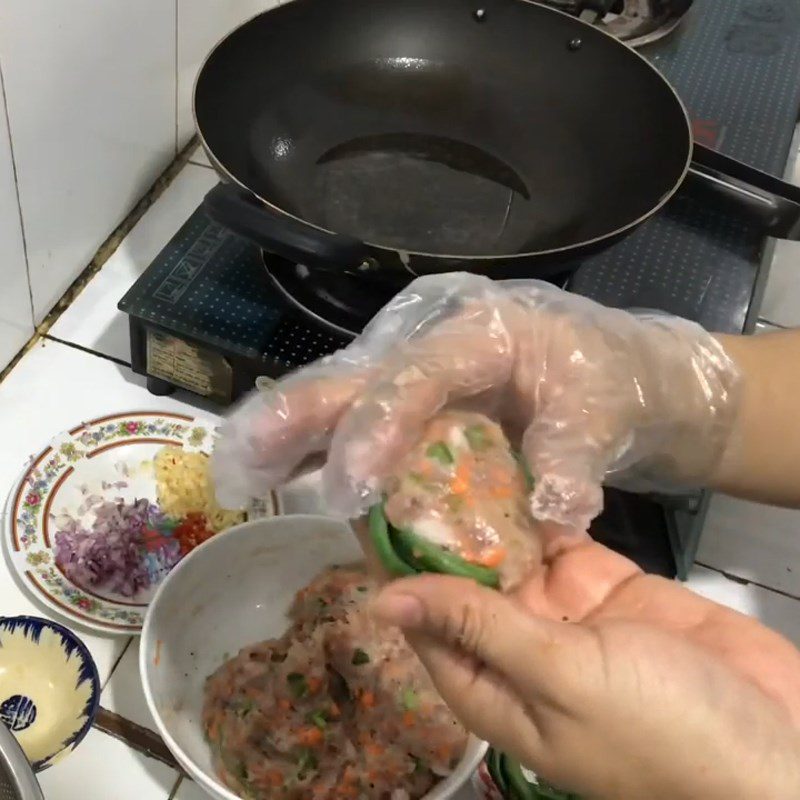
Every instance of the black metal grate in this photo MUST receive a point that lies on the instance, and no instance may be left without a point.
(736, 66)
(295, 343)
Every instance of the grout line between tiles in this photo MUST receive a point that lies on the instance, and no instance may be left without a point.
(765, 321)
(115, 239)
(136, 736)
(117, 663)
(732, 576)
(106, 250)
(200, 164)
(88, 350)
(181, 779)
(177, 81)
(4, 99)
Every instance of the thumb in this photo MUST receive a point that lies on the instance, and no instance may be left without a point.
(482, 649)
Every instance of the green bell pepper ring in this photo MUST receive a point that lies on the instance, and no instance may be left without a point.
(381, 541)
(437, 559)
(509, 778)
(518, 786)
(402, 552)
(405, 551)
(495, 767)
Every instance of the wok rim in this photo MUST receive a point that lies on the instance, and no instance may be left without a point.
(407, 255)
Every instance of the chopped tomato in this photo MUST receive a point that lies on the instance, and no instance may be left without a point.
(192, 531)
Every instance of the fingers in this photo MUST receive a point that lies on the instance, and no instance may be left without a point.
(568, 487)
(455, 634)
(576, 429)
(270, 434)
(468, 355)
(578, 583)
(476, 622)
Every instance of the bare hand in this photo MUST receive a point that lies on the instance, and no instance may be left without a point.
(611, 683)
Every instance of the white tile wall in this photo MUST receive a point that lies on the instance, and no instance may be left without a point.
(90, 86)
(16, 322)
(92, 320)
(201, 24)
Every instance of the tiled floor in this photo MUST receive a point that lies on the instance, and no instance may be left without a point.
(56, 385)
(124, 694)
(103, 768)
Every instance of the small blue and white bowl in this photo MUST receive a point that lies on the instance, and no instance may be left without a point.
(49, 688)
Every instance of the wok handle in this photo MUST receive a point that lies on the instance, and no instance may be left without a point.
(774, 202)
(245, 215)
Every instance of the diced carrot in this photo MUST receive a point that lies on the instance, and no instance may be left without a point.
(274, 778)
(409, 719)
(461, 481)
(374, 749)
(314, 685)
(491, 556)
(367, 699)
(284, 704)
(500, 474)
(502, 492)
(333, 710)
(310, 737)
(443, 752)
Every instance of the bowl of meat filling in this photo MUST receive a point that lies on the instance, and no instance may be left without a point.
(268, 677)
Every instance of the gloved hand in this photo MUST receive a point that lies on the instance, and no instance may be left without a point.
(586, 392)
(610, 683)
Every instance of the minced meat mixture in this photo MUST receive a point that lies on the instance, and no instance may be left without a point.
(338, 707)
(462, 488)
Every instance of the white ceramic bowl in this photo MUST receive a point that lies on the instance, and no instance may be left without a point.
(233, 591)
(49, 689)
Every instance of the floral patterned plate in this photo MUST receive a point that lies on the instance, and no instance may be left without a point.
(109, 457)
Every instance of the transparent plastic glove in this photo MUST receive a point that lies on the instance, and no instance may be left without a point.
(587, 393)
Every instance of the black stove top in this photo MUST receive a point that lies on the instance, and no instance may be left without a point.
(205, 317)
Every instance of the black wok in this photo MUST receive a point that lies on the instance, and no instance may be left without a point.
(417, 136)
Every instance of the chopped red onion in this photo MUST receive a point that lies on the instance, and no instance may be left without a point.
(112, 553)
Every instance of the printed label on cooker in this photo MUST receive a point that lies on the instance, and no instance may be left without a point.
(189, 366)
